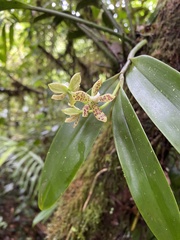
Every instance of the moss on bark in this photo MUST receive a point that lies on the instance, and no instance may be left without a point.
(166, 39)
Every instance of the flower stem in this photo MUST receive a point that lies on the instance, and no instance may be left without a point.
(131, 55)
(137, 48)
(114, 94)
(124, 69)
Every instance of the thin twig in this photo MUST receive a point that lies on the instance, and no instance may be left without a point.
(58, 62)
(129, 14)
(22, 86)
(112, 20)
(92, 187)
(98, 42)
(131, 55)
(155, 140)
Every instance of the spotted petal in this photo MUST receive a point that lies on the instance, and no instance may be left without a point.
(98, 113)
(106, 98)
(58, 87)
(81, 96)
(85, 110)
(75, 81)
(96, 87)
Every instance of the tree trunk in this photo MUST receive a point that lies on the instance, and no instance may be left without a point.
(166, 40)
(98, 204)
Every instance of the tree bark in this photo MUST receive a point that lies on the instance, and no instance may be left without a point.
(166, 39)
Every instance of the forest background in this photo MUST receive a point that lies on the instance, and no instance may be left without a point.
(39, 48)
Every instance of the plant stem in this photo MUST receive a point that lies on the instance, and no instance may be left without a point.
(129, 15)
(114, 94)
(79, 20)
(131, 55)
(91, 34)
(137, 48)
(113, 21)
(125, 67)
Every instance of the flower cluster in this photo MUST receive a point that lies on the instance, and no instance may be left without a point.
(90, 102)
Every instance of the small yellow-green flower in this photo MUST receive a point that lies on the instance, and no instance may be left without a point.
(63, 89)
(91, 101)
(74, 114)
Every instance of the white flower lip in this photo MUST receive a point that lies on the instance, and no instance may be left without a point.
(95, 98)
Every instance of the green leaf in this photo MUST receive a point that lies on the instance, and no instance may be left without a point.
(11, 36)
(58, 20)
(156, 87)
(6, 154)
(68, 150)
(74, 34)
(7, 5)
(85, 3)
(44, 215)
(4, 40)
(42, 17)
(143, 173)
(106, 19)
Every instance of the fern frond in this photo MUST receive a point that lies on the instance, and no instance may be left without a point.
(21, 165)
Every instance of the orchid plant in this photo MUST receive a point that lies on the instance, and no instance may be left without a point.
(156, 87)
(158, 95)
(90, 101)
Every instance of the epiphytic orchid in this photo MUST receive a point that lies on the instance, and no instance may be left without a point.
(90, 101)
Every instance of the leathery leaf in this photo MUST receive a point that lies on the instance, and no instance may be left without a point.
(156, 87)
(145, 178)
(7, 5)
